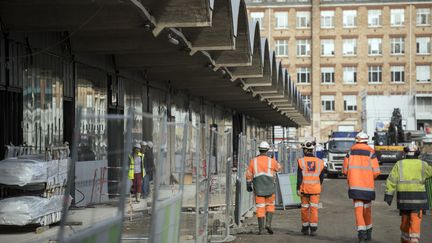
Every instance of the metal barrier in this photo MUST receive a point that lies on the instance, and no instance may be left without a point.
(220, 188)
(99, 223)
(247, 150)
(288, 154)
(193, 226)
(169, 183)
(138, 217)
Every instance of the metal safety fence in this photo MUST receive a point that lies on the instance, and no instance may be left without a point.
(138, 215)
(194, 216)
(244, 202)
(91, 159)
(288, 154)
(221, 186)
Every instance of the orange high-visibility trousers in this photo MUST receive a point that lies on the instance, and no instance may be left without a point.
(410, 227)
(363, 213)
(264, 204)
(309, 210)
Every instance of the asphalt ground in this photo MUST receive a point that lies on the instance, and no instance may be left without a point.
(336, 220)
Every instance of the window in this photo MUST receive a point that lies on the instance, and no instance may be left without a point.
(303, 48)
(281, 47)
(349, 47)
(349, 75)
(423, 73)
(397, 17)
(423, 45)
(374, 18)
(303, 75)
(423, 16)
(281, 20)
(375, 46)
(349, 18)
(307, 100)
(350, 102)
(397, 74)
(327, 103)
(259, 17)
(327, 19)
(398, 46)
(327, 75)
(327, 47)
(375, 74)
(303, 19)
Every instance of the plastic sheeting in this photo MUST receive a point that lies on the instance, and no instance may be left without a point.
(22, 171)
(28, 209)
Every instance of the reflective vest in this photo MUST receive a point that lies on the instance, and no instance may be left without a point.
(407, 178)
(311, 168)
(261, 172)
(131, 172)
(361, 168)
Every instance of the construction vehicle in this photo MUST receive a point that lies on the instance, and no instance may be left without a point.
(426, 148)
(338, 146)
(390, 142)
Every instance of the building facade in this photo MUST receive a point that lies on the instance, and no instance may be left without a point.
(338, 51)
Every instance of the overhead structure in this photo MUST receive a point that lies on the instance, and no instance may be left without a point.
(206, 48)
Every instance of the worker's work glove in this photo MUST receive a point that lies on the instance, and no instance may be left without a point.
(249, 186)
(388, 199)
(299, 193)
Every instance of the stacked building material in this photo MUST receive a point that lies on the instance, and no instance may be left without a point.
(32, 186)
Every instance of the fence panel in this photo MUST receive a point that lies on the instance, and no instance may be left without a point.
(100, 223)
(220, 157)
(169, 183)
(244, 200)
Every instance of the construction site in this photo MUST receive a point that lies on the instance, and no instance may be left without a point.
(141, 121)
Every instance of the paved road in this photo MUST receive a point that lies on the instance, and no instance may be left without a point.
(337, 222)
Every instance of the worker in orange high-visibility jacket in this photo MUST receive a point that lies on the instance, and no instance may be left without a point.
(260, 178)
(310, 176)
(361, 168)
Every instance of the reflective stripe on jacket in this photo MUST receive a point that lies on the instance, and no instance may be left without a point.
(261, 172)
(131, 172)
(361, 168)
(407, 178)
(311, 169)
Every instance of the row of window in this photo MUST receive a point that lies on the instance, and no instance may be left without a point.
(349, 46)
(349, 18)
(328, 102)
(397, 74)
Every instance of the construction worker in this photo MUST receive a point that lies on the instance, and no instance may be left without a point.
(407, 179)
(310, 176)
(260, 177)
(136, 170)
(361, 168)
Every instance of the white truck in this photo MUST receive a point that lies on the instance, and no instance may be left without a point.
(338, 146)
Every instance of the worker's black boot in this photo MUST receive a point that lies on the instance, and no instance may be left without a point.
(269, 217)
(369, 234)
(313, 231)
(362, 236)
(305, 230)
(260, 225)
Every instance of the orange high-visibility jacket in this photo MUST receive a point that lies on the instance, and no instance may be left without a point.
(310, 172)
(361, 168)
(261, 172)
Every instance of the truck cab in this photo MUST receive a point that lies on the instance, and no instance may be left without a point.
(338, 146)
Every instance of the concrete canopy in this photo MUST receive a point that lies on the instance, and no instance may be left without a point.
(205, 48)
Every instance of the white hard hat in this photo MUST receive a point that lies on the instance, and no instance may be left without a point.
(137, 145)
(143, 143)
(264, 146)
(308, 145)
(411, 148)
(362, 137)
(150, 144)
